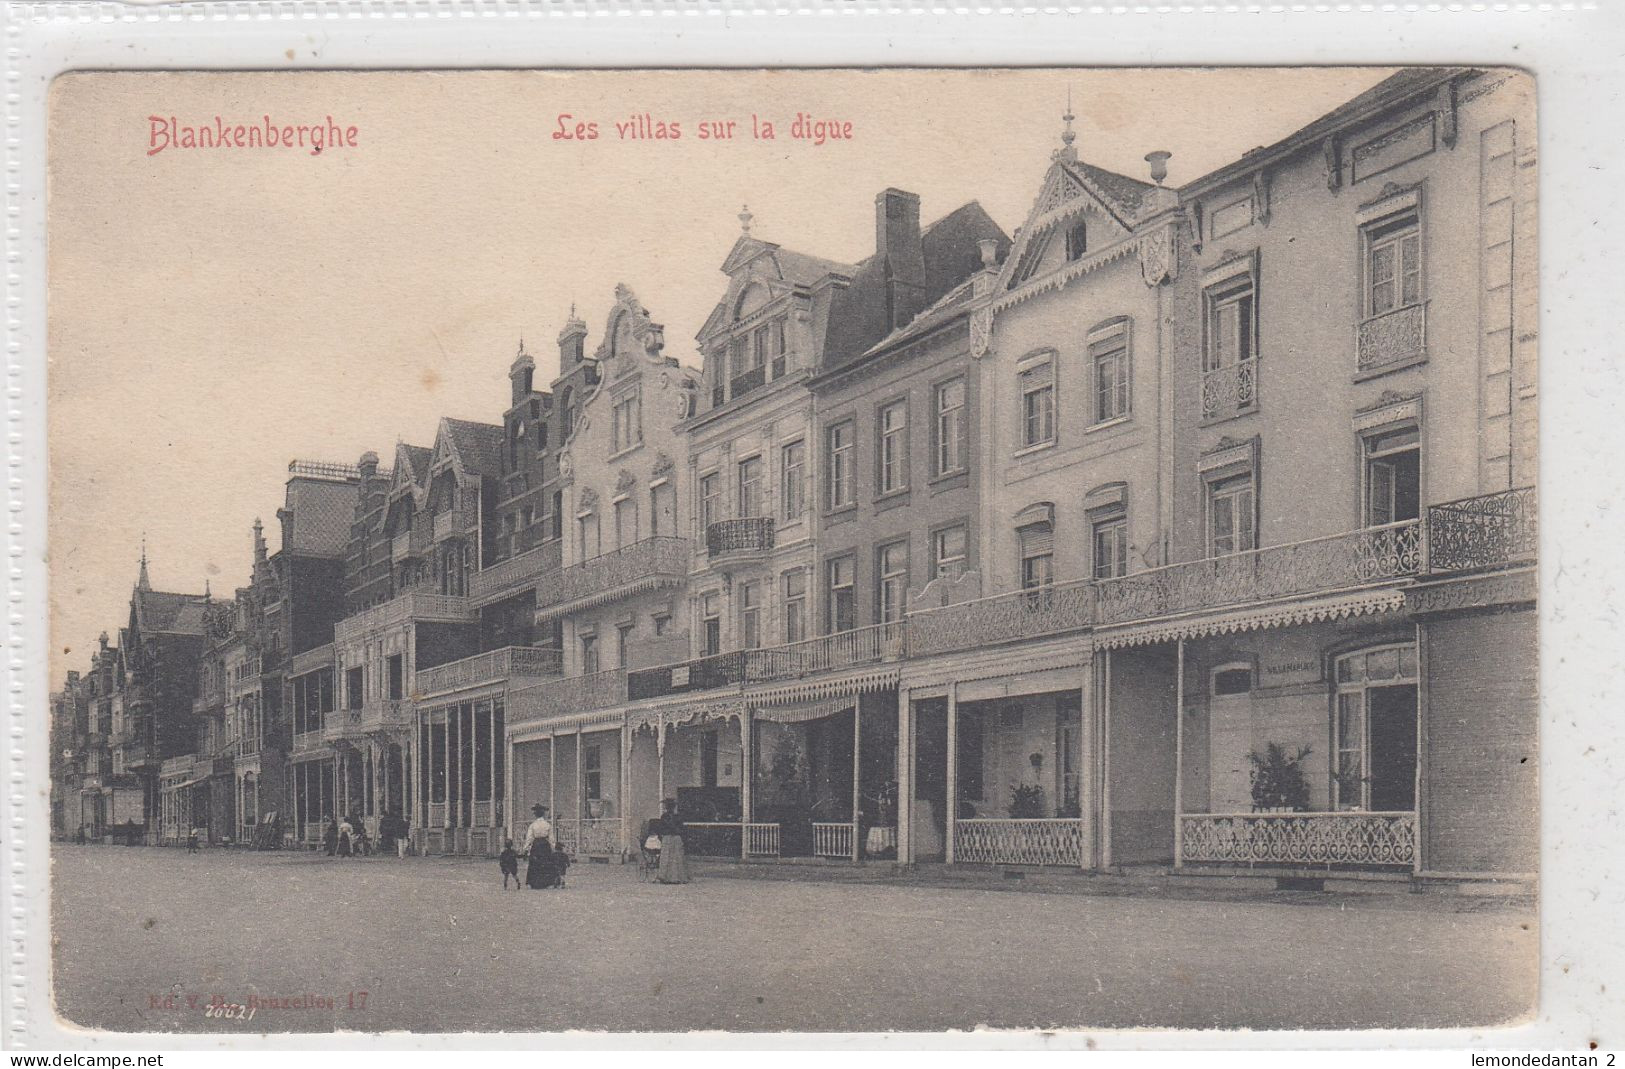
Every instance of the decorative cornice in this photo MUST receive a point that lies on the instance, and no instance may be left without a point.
(1498, 590)
(1365, 603)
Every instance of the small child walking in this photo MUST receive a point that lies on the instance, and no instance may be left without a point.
(509, 862)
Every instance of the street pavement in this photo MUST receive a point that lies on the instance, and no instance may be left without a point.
(146, 939)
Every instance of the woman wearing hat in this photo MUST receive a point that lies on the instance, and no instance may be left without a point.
(673, 862)
(538, 848)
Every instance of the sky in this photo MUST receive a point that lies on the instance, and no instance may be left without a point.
(217, 312)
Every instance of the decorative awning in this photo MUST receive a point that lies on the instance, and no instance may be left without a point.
(1365, 603)
(878, 678)
(797, 712)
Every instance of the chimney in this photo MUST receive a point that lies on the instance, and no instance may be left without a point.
(901, 254)
(521, 374)
(572, 342)
(259, 543)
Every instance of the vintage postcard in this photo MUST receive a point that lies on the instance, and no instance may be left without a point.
(823, 550)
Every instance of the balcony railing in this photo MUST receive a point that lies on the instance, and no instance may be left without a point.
(513, 574)
(566, 696)
(832, 840)
(1377, 839)
(662, 560)
(493, 666)
(827, 653)
(306, 742)
(749, 534)
(455, 521)
(413, 605)
(1041, 841)
(1345, 561)
(740, 385)
(378, 715)
(968, 625)
(1229, 391)
(400, 547)
(1482, 532)
(207, 701)
(703, 673)
(1392, 339)
(177, 766)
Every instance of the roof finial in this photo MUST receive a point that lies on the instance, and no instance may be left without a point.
(744, 219)
(1068, 152)
(142, 582)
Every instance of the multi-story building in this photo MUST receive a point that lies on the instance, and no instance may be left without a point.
(617, 600)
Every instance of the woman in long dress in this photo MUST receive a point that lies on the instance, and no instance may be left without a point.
(673, 862)
(538, 849)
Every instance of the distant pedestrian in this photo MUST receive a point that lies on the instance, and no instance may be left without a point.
(330, 835)
(508, 862)
(673, 861)
(538, 849)
(191, 840)
(79, 836)
(346, 838)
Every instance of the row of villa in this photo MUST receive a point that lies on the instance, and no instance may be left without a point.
(1182, 528)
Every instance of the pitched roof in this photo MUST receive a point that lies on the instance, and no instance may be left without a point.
(1126, 193)
(478, 445)
(954, 304)
(419, 456)
(162, 611)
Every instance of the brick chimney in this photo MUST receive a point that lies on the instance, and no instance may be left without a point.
(901, 254)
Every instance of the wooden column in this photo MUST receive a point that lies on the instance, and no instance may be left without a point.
(625, 792)
(953, 771)
(905, 778)
(510, 783)
(747, 773)
(446, 763)
(1106, 762)
(1418, 798)
(491, 765)
(1088, 807)
(857, 775)
(660, 760)
(1179, 755)
(553, 779)
(580, 805)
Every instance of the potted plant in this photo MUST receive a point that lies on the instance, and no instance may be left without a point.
(1026, 801)
(1278, 782)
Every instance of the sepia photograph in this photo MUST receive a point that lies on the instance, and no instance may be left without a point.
(817, 551)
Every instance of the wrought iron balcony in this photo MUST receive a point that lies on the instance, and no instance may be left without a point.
(1488, 531)
(177, 766)
(740, 385)
(705, 673)
(1341, 562)
(1347, 838)
(739, 537)
(514, 574)
(826, 653)
(413, 605)
(306, 742)
(969, 625)
(1229, 391)
(1392, 339)
(1019, 841)
(374, 717)
(661, 561)
(493, 666)
(567, 696)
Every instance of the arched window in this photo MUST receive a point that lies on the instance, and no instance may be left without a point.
(1375, 729)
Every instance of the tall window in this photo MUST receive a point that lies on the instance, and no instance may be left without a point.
(761, 346)
(1230, 512)
(1037, 556)
(795, 605)
(623, 643)
(1038, 403)
(839, 605)
(949, 455)
(353, 684)
(626, 522)
(1393, 263)
(1077, 240)
(838, 466)
(892, 455)
(589, 654)
(710, 500)
(948, 551)
(711, 624)
(397, 676)
(750, 616)
(776, 347)
(1108, 359)
(891, 566)
(1110, 547)
(750, 487)
(626, 426)
(587, 531)
(661, 520)
(793, 463)
(1376, 730)
(1230, 323)
(592, 776)
(1393, 476)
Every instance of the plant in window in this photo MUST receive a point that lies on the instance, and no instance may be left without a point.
(1026, 801)
(1278, 782)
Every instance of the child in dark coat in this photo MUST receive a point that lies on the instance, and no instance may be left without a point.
(509, 862)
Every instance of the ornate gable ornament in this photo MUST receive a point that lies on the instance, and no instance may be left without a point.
(625, 482)
(629, 331)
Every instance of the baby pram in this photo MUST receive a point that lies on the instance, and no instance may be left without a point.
(649, 852)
